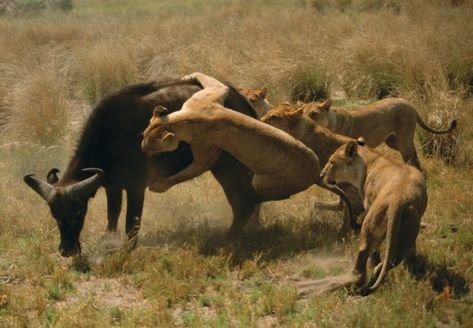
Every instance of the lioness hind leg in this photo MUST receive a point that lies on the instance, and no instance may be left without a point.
(372, 234)
(214, 90)
(236, 183)
(274, 187)
(408, 151)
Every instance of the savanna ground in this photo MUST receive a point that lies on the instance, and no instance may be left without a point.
(55, 65)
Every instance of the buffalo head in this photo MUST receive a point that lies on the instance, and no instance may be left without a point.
(68, 204)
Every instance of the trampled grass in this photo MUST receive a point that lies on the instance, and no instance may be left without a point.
(55, 66)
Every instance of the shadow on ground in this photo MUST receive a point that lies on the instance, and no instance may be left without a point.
(273, 242)
(440, 276)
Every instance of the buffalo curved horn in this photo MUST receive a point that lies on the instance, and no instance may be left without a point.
(44, 189)
(87, 187)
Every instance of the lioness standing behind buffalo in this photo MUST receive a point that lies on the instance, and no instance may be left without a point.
(391, 120)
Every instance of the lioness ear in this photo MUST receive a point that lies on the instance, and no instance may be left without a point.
(159, 110)
(263, 92)
(296, 113)
(361, 141)
(167, 135)
(326, 105)
(300, 103)
(314, 115)
(351, 149)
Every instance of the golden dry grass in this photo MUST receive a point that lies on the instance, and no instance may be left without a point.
(54, 67)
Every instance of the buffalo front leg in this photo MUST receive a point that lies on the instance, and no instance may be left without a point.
(135, 199)
(235, 180)
(114, 207)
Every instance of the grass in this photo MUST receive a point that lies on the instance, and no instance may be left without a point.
(56, 65)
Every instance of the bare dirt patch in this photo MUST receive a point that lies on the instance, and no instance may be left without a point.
(110, 292)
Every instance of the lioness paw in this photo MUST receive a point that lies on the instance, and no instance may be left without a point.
(192, 76)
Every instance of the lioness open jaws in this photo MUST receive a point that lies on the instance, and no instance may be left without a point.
(395, 197)
(391, 120)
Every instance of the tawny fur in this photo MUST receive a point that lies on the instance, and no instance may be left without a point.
(391, 120)
(395, 197)
(322, 141)
(282, 164)
(257, 99)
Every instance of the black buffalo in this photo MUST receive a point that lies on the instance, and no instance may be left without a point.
(108, 154)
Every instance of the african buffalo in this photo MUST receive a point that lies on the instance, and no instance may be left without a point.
(108, 154)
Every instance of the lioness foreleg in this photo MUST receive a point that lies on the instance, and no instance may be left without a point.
(205, 158)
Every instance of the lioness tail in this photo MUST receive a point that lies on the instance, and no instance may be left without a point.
(394, 216)
(453, 125)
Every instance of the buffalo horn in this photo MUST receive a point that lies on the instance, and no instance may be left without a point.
(87, 187)
(44, 189)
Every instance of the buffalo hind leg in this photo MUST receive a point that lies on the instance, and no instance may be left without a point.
(114, 207)
(235, 180)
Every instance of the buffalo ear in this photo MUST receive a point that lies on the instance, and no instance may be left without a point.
(160, 110)
(326, 105)
(167, 135)
(361, 141)
(351, 149)
(300, 103)
(52, 176)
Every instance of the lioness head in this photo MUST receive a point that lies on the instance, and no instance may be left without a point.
(156, 139)
(257, 99)
(283, 116)
(345, 165)
(317, 111)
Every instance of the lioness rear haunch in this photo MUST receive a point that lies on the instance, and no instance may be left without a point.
(282, 164)
(395, 197)
(391, 120)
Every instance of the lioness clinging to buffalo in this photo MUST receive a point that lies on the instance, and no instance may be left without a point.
(395, 197)
(391, 120)
(282, 164)
(108, 154)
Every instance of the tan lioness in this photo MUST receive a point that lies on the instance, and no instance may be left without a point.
(257, 99)
(391, 120)
(395, 197)
(322, 141)
(282, 165)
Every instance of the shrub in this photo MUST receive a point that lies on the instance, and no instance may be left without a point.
(309, 84)
(32, 7)
(372, 77)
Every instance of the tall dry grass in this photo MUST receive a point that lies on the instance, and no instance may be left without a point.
(370, 49)
(54, 67)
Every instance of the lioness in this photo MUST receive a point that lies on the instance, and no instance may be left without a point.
(282, 164)
(322, 141)
(391, 120)
(257, 99)
(395, 197)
